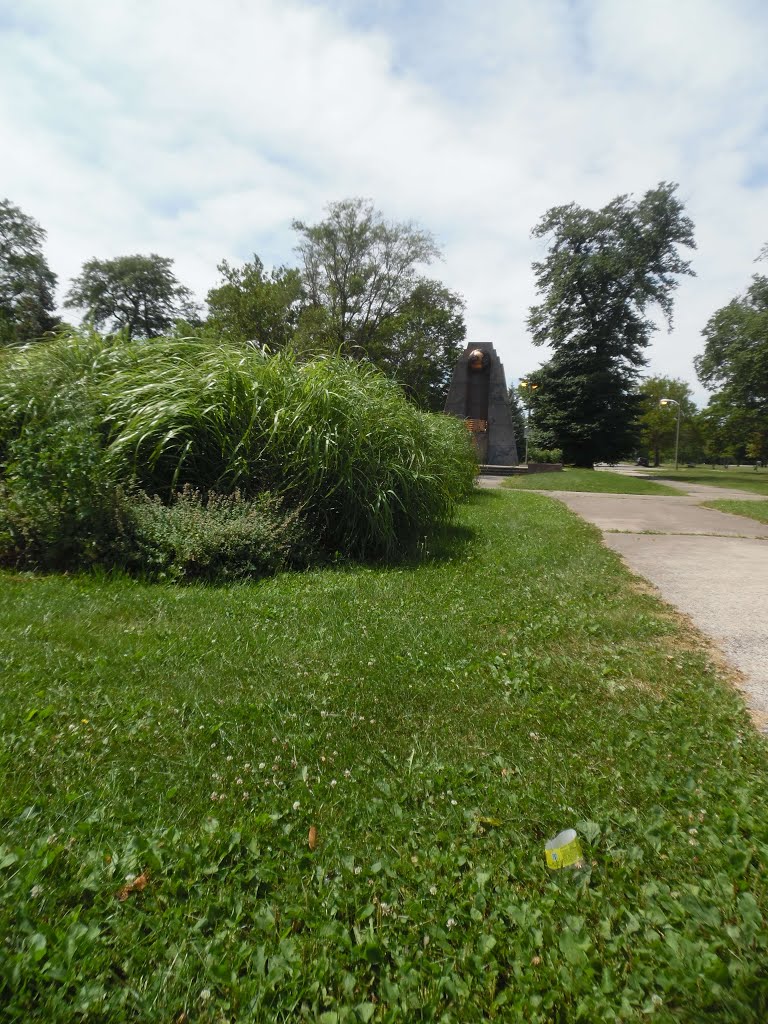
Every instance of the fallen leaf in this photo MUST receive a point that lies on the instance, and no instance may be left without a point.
(312, 837)
(137, 885)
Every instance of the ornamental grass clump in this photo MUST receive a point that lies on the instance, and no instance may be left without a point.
(336, 438)
(334, 442)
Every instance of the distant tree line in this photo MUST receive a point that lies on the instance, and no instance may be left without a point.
(359, 290)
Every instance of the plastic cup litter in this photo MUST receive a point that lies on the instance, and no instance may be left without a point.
(564, 851)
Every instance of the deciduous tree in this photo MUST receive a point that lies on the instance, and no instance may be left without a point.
(658, 424)
(138, 294)
(603, 273)
(253, 305)
(27, 283)
(366, 298)
(735, 363)
(361, 269)
(420, 345)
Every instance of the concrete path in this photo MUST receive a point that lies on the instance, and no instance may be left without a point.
(711, 565)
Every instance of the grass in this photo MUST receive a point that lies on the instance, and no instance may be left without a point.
(751, 509)
(588, 480)
(436, 724)
(752, 480)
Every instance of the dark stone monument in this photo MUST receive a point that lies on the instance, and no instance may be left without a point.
(478, 395)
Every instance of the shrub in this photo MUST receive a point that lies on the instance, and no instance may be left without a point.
(58, 503)
(545, 454)
(335, 439)
(211, 537)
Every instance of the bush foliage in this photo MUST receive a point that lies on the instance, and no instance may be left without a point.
(546, 455)
(333, 442)
(212, 537)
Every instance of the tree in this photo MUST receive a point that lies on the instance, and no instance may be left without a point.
(735, 364)
(366, 298)
(603, 272)
(251, 305)
(516, 411)
(722, 432)
(658, 424)
(138, 294)
(420, 345)
(27, 284)
(361, 269)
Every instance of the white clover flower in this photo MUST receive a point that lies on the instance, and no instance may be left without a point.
(262, 766)
(333, 782)
(450, 923)
(296, 805)
(433, 890)
(358, 869)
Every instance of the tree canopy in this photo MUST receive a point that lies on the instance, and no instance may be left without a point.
(658, 424)
(420, 345)
(366, 298)
(603, 273)
(361, 270)
(253, 305)
(27, 284)
(138, 294)
(735, 364)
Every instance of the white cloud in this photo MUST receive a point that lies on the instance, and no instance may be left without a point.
(200, 131)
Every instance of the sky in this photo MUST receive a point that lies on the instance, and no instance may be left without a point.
(200, 131)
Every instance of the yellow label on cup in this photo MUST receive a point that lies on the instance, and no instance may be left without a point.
(564, 851)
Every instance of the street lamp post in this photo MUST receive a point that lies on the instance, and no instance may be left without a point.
(528, 389)
(671, 401)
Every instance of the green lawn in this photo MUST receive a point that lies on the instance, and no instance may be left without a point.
(588, 480)
(755, 481)
(436, 724)
(752, 509)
